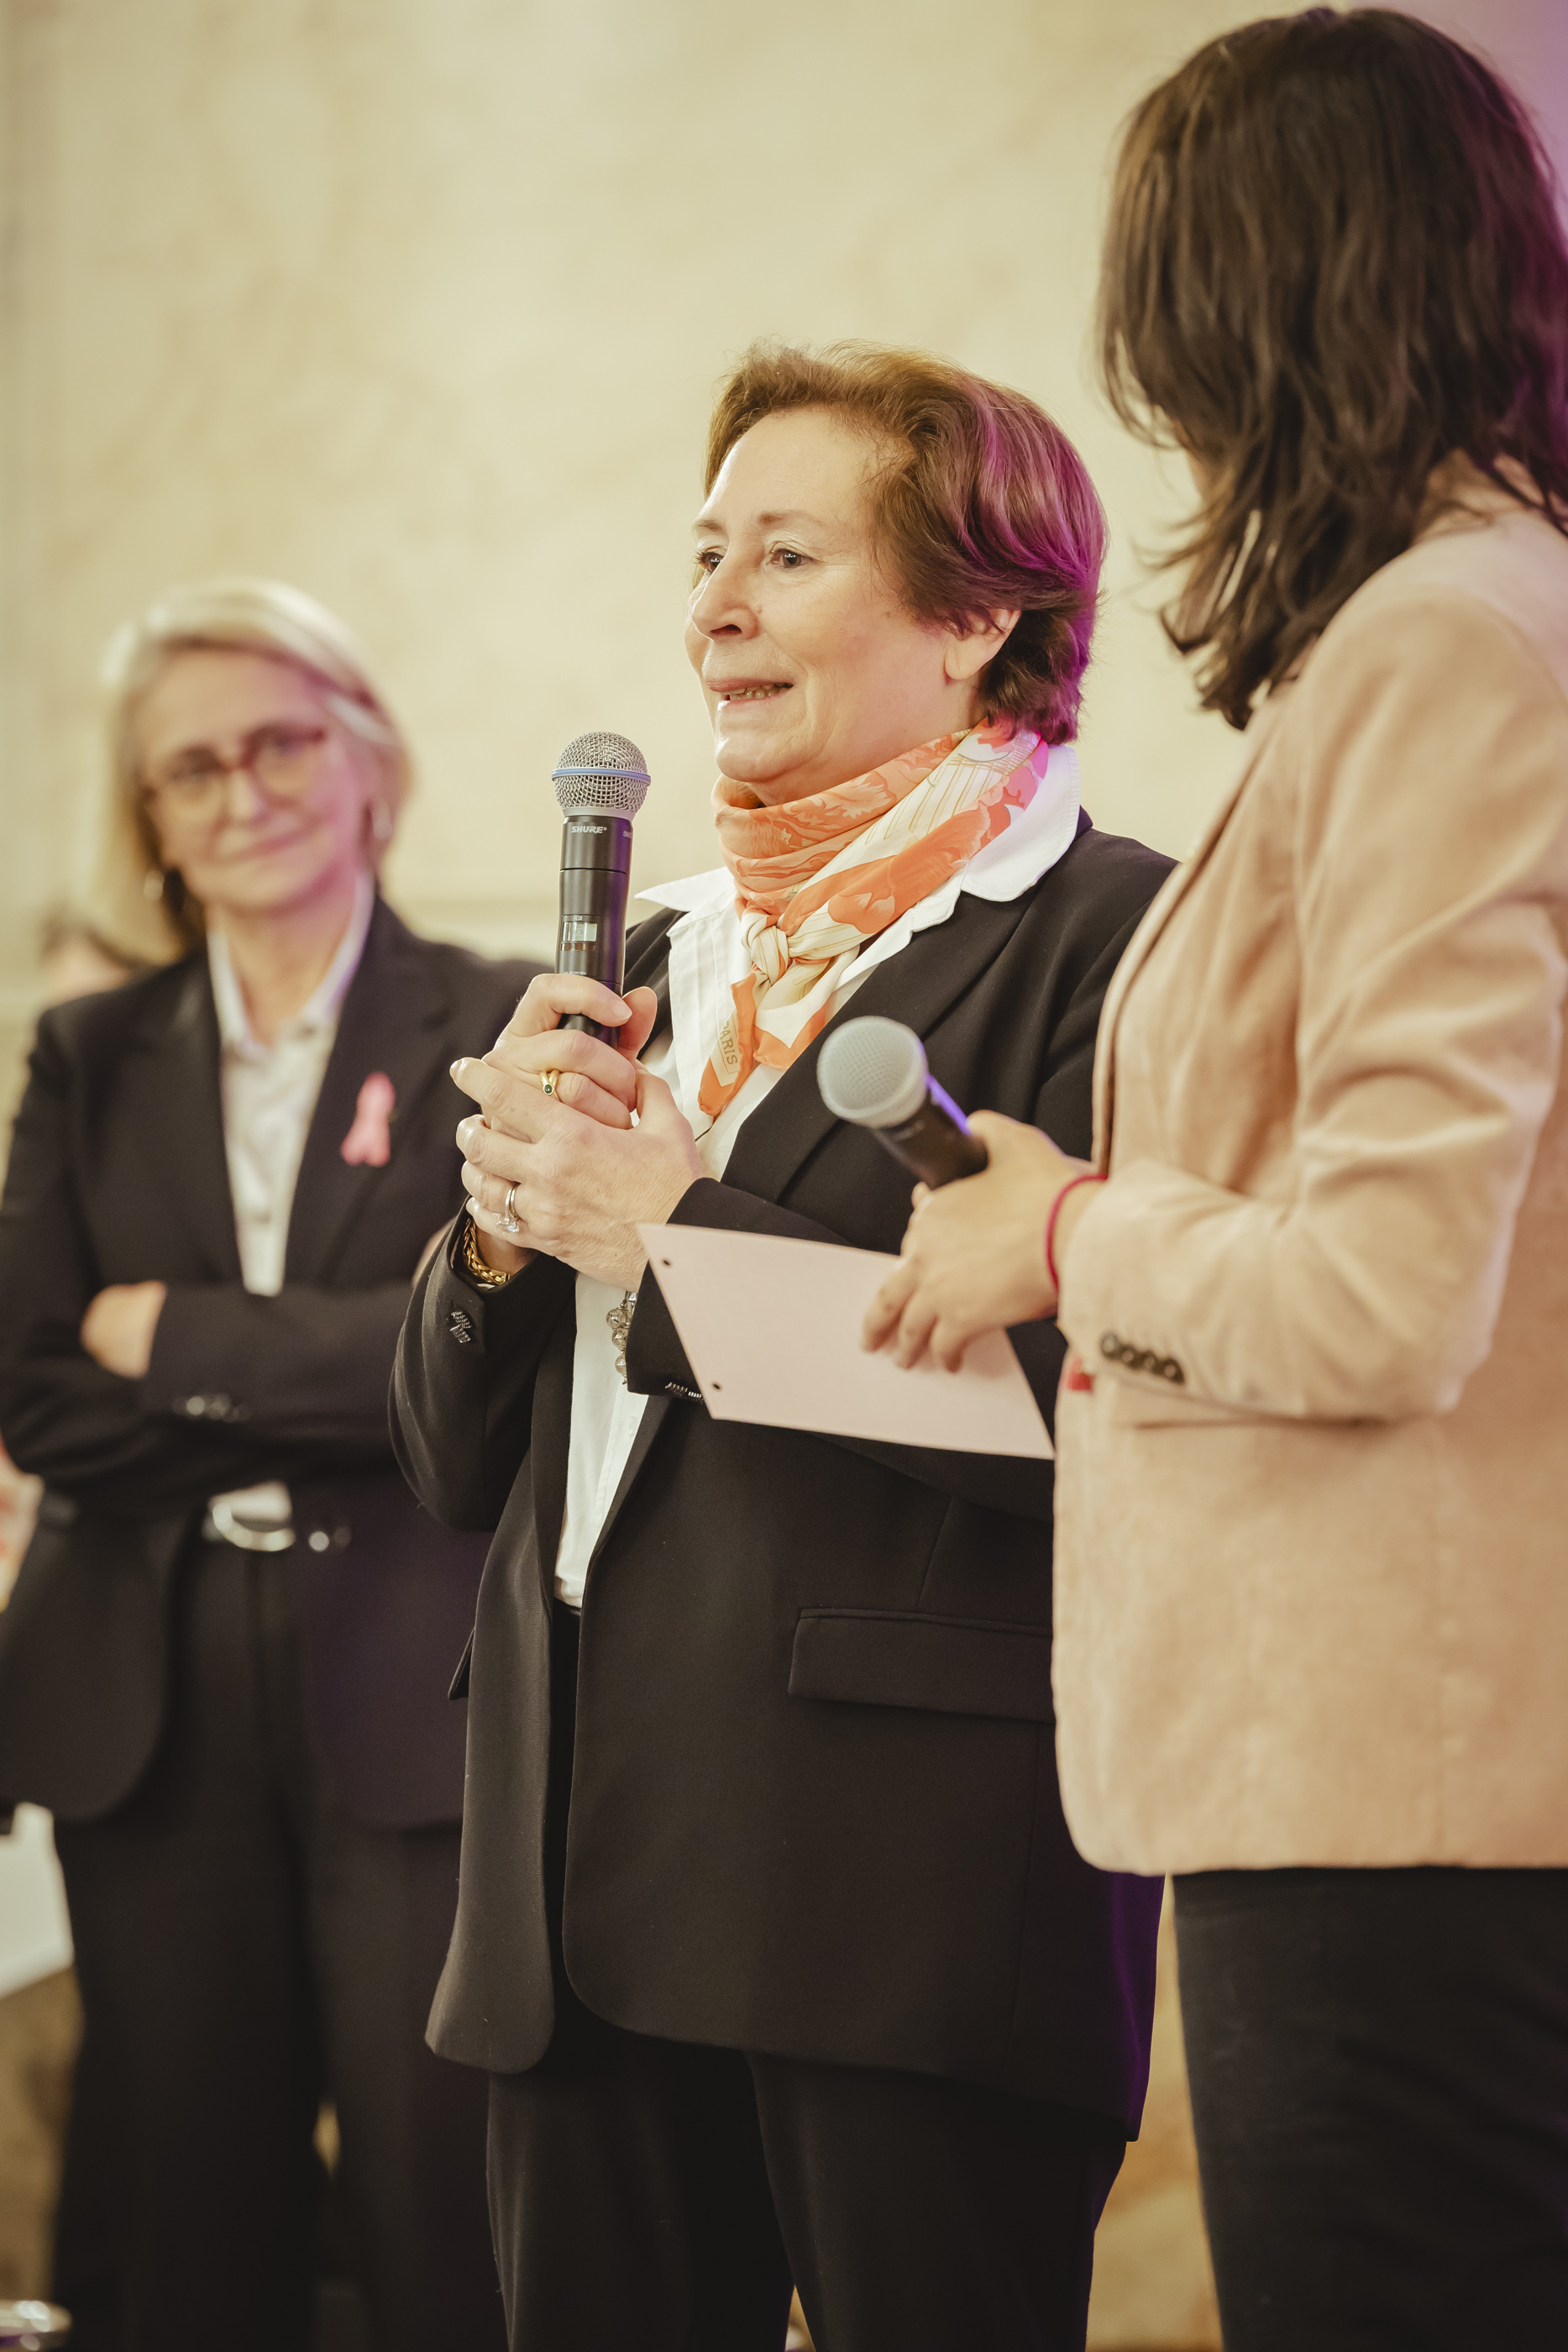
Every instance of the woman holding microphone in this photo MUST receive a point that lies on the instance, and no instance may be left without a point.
(1312, 1609)
(770, 1937)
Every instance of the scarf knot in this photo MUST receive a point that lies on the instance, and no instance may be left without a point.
(818, 879)
(767, 945)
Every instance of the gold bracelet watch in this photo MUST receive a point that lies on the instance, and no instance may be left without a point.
(477, 1267)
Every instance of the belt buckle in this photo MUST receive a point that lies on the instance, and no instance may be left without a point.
(223, 1525)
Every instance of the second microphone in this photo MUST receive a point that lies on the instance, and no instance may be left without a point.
(874, 1073)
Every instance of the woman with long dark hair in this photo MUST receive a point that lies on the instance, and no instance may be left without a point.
(1311, 1602)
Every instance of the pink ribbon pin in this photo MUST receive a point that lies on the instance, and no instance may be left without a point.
(368, 1143)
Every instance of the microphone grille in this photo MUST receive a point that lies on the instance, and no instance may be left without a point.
(603, 773)
(872, 1072)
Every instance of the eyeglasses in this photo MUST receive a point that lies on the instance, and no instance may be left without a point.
(281, 759)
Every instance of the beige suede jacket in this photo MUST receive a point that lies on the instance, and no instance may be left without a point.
(1311, 1534)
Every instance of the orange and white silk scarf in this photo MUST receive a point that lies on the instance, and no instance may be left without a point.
(817, 880)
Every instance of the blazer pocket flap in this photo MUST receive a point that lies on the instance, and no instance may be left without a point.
(947, 1666)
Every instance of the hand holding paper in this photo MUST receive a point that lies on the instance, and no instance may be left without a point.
(772, 1328)
(974, 1258)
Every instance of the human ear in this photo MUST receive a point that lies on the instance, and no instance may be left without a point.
(965, 652)
(153, 845)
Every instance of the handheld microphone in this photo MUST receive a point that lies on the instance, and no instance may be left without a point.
(874, 1073)
(600, 781)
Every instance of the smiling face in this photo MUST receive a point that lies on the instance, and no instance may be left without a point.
(812, 669)
(252, 846)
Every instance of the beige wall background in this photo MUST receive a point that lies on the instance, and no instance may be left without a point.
(420, 303)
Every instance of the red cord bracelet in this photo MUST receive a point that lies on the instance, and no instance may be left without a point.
(1092, 1176)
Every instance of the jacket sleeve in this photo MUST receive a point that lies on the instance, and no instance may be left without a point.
(1426, 881)
(656, 1362)
(304, 1369)
(463, 1383)
(62, 1416)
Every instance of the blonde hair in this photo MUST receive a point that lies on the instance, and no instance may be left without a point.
(148, 913)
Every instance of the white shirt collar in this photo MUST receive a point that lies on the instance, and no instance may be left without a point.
(1038, 837)
(322, 1009)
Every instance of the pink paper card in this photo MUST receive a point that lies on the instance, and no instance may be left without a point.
(772, 1326)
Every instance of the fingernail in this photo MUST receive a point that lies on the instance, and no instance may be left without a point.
(457, 1065)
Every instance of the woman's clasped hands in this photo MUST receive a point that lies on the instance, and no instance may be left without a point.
(974, 1257)
(581, 1168)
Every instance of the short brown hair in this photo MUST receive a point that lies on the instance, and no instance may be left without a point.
(1333, 259)
(985, 504)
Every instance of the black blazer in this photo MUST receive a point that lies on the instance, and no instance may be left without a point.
(814, 1806)
(117, 1174)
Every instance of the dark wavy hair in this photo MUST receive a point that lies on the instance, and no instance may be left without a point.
(983, 504)
(1333, 259)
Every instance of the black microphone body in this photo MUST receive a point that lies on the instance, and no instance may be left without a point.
(590, 938)
(872, 1072)
(939, 1143)
(600, 782)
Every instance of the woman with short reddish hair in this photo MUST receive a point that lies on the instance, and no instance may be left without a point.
(770, 1936)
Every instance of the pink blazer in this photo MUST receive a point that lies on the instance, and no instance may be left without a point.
(1312, 1536)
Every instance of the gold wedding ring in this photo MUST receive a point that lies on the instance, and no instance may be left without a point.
(550, 1081)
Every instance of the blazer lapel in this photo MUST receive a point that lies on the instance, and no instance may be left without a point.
(181, 1116)
(915, 986)
(391, 1023)
(550, 1440)
(648, 966)
(1156, 916)
(654, 1415)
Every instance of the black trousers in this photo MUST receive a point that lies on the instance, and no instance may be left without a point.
(1379, 2069)
(663, 2195)
(245, 1949)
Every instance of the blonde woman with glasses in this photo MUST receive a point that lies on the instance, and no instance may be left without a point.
(223, 1666)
